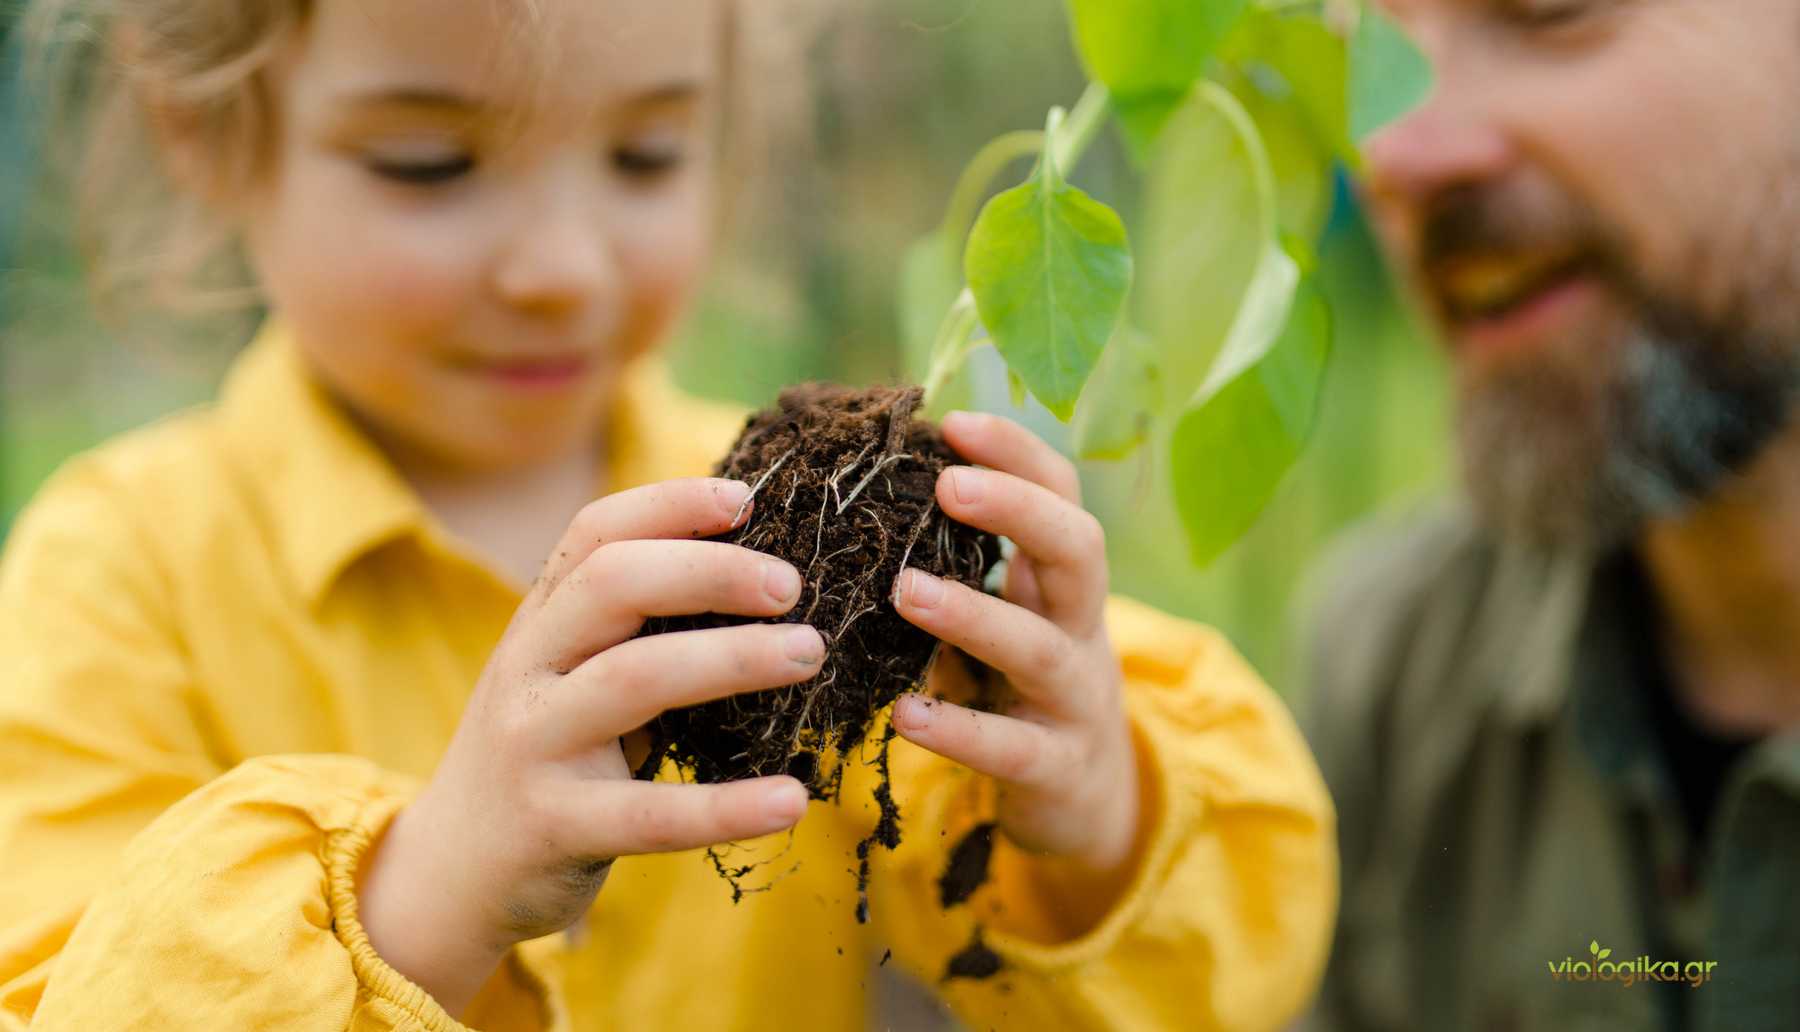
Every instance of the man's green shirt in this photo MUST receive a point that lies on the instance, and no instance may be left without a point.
(1488, 720)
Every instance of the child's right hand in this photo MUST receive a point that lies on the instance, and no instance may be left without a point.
(512, 837)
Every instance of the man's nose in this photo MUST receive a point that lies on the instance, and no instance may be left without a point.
(1446, 142)
(558, 256)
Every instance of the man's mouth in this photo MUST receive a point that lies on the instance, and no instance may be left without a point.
(1490, 287)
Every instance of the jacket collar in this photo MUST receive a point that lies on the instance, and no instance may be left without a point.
(332, 497)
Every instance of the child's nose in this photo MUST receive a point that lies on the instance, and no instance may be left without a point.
(558, 256)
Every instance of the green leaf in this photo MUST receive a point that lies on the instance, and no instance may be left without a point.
(1231, 450)
(1209, 216)
(929, 284)
(1142, 118)
(1259, 319)
(1289, 72)
(1050, 268)
(1015, 389)
(1149, 53)
(1218, 282)
(1311, 63)
(1299, 162)
(1605, 953)
(1121, 404)
(1388, 75)
(1594, 946)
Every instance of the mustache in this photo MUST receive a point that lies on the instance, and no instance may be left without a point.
(1480, 220)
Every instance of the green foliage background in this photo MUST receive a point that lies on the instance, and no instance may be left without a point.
(905, 92)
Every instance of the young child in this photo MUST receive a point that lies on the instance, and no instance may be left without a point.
(299, 728)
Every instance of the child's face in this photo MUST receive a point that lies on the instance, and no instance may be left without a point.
(473, 219)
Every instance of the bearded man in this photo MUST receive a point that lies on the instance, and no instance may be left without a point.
(1561, 715)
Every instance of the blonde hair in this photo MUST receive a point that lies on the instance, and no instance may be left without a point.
(102, 65)
(151, 236)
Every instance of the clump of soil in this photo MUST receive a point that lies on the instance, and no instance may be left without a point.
(975, 961)
(968, 866)
(844, 488)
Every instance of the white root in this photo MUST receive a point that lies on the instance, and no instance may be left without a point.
(760, 481)
(864, 482)
(906, 555)
(846, 471)
(818, 534)
(858, 615)
(910, 542)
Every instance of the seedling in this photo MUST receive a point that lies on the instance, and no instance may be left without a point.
(1206, 341)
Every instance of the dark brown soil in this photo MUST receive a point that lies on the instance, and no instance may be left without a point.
(968, 866)
(844, 488)
(975, 960)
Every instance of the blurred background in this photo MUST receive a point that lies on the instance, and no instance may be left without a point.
(903, 94)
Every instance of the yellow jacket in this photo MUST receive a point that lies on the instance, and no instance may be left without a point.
(235, 643)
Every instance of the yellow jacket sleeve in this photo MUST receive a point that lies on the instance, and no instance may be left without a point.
(1225, 922)
(144, 882)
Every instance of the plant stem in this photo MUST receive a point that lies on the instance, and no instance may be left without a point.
(1068, 139)
(1051, 167)
(987, 164)
(955, 339)
(1080, 127)
(1284, 6)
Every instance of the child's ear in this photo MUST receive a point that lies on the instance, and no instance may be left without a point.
(178, 137)
(185, 149)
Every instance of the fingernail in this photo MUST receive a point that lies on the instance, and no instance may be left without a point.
(912, 713)
(782, 582)
(958, 419)
(731, 495)
(923, 591)
(965, 483)
(804, 645)
(785, 803)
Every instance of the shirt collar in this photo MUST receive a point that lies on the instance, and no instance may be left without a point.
(332, 497)
(1616, 657)
(1532, 615)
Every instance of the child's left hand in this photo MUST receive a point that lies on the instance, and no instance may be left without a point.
(1062, 751)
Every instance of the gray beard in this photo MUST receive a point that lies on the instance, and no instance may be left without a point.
(1553, 461)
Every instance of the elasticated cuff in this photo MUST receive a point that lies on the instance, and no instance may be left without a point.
(386, 987)
(1169, 817)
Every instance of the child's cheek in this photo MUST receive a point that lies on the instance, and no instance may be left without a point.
(409, 275)
(367, 268)
(665, 261)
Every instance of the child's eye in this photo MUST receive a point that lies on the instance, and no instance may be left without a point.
(1549, 14)
(419, 166)
(422, 173)
(647, 162)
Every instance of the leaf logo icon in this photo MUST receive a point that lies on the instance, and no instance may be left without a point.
(1599, 954)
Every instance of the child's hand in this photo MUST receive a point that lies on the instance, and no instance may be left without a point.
(1062, 750)
(512, 838)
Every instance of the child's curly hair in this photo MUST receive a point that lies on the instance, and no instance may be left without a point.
(111, 71)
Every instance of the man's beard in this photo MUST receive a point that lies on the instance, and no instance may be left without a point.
(1555, 461)
(1584, 441)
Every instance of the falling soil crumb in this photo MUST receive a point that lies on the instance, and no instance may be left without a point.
(844, 484)
(887, 829)
(886, 955)
(975, 960)
(968, 867)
